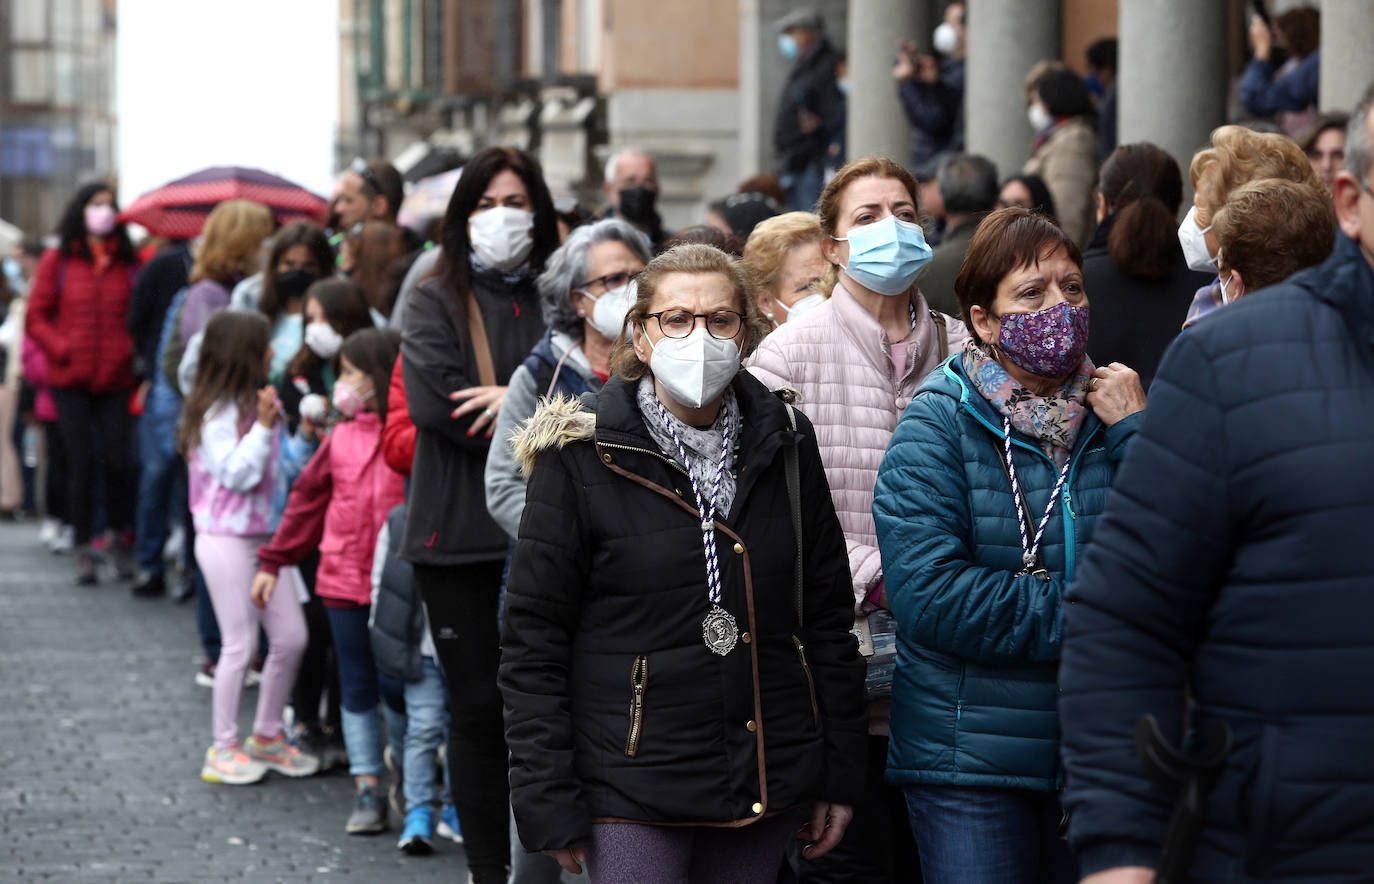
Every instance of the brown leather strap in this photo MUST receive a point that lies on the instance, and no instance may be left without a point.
(481, 347)
(942, 331)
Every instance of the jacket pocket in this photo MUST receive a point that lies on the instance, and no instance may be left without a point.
(639, 680)
(810, 681)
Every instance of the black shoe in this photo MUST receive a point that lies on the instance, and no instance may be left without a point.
(148, 586)
(85, 567)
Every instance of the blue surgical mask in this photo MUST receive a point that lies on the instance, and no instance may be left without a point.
(13, 272)
(886, 256)
(787, 45)
(843, 86)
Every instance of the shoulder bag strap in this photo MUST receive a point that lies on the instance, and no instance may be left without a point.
(794, 499)
(942, 332)
(481, 347)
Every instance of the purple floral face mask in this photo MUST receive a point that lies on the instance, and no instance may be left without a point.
(1048, 343)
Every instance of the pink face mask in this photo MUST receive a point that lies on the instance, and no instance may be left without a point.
(348, 401)
(100, 220)
(1048, 343)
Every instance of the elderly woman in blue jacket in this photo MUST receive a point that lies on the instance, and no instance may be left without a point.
(988, 493)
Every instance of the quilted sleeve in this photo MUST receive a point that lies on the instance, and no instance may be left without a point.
(941, 597)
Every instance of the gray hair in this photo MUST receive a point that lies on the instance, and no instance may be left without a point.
(567, 268)
(611, 161)
(968, 183)
(1359, 154)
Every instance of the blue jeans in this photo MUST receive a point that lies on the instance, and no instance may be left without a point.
(206, 624)
(982, 835)
(426, 724)
(159, 469)
(358, 691)
(804, 188)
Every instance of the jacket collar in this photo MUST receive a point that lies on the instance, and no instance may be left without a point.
(1346, 282)
(763, 430)
(868, 335)
(951, 380)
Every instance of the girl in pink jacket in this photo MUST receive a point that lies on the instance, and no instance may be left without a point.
(337, 506)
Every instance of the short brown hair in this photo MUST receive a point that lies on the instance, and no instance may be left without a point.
(1301, 29)
(770, 242)
(1238, 155)
(1007, 240)
(1271, 228)
(828, 206)
(687, 258)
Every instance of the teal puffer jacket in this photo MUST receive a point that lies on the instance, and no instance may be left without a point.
(974, 696)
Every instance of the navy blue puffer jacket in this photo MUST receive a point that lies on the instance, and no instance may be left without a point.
(974, 696)
(1234, 569)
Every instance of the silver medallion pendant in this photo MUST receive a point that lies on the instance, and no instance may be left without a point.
(719, 631)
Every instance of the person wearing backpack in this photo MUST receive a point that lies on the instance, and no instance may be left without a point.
(77, 316)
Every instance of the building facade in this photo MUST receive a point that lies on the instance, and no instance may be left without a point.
(697, 83)
(57, 120)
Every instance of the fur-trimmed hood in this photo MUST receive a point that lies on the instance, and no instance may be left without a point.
(555, 423)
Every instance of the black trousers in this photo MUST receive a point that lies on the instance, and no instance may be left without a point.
(96, 434)
(317, 672)
(461, 602)
(877, 848)
(55, 475)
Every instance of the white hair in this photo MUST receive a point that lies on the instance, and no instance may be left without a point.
(609, 174)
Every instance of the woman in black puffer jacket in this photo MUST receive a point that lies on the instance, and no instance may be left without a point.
(660, 719)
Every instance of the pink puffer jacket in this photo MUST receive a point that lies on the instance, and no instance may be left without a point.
(838, 359)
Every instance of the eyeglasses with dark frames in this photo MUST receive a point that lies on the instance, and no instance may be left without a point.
(720, 324)
(607, 282)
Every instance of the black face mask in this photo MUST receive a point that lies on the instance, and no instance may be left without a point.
(637, 205)
(293, 283)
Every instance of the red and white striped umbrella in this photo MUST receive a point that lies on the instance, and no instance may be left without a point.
(179, 208)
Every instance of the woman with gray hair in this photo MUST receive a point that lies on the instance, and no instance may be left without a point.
(585, 291)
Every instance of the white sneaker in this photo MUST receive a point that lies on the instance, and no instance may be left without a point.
(65, 541)
(175, 545)
(48, 533)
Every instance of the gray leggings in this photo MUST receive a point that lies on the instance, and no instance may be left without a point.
(630, 853)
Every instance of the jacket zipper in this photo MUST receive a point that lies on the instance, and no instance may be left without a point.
(639, 678)
(672, 463)
(810, 682)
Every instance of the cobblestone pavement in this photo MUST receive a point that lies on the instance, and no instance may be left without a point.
(101, 741)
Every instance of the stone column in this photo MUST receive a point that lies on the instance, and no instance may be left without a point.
(1172, 80)
(1347, 62)
(876, 123)
(1005, 40)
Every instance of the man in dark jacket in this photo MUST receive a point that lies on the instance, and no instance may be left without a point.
(156, 285)
(807, 110)
(968, 189)
(1230, 580)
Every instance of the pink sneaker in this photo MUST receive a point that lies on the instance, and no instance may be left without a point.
(231, 767)
(282, 757)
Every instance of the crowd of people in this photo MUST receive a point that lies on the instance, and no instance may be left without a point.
(827, 540)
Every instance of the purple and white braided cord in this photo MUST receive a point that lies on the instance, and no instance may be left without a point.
(707, 508)
(1029, 550)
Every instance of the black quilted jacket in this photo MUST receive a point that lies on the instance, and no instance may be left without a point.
(1234, 566)
(615, 710)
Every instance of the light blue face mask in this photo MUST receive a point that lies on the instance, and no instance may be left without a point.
(13, 272)
(885, 256)
(787, 45)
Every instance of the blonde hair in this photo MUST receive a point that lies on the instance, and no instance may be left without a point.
(231, 242)
(687, 258)
(1238, 155)
(770, 243)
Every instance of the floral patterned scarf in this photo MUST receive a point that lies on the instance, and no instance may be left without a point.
(1053, 421)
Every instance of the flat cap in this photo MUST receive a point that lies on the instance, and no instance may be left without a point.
(805, 18)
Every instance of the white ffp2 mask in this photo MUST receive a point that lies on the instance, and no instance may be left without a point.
(695, 369)
(502, 237)
(610, 308)
(1194, 241)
